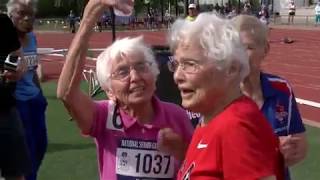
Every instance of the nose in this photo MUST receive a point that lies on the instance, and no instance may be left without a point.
(134, 75)
(178, 75)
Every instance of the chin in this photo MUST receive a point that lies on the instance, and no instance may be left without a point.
(189, 105)
(139, 100)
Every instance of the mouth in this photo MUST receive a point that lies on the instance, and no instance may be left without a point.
(186, 92)
(139, 89)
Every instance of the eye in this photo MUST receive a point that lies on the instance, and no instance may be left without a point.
(140, 66)
(122, 71)
(250, 47)
(189, 64)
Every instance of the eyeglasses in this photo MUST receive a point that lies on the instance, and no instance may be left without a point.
(123, 72)
(186, 66)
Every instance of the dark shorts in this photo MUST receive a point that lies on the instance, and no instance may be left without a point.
(14, 156)
(292, 13)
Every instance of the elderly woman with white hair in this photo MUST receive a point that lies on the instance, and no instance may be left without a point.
(233, 140)
(130, 125)
(30, 101)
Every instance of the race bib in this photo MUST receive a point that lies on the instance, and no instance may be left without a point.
(31, 60)
(140, 160)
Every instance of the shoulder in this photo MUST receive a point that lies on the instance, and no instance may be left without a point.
(32, 35)
(172, 108)
(101, 104)
(279, 83)
(242, 112)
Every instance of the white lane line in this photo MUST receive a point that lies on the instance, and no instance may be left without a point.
(308, 102)
(312, 123)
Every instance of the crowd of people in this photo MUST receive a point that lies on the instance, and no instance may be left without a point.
(249, 125)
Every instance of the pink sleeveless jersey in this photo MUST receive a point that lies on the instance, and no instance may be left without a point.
(128, 150)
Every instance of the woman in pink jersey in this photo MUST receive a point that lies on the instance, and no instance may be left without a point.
(126, 127)
(233, 141)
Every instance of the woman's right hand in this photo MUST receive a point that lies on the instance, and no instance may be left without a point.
(94, 9)
(123, 5)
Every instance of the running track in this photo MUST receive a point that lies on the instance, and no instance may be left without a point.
(298, 62)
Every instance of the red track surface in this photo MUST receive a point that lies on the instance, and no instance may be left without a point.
(298, 62)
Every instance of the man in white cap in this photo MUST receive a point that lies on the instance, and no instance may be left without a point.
(192, 12)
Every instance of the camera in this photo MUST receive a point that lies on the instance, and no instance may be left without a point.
(11, 62)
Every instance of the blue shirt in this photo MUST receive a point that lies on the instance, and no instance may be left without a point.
(26, 89)
(280, 107)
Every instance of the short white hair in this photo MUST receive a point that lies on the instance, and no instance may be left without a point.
(123, 46)
(217, 36)
(13, 4)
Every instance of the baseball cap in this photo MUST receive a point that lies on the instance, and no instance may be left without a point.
(192, 5)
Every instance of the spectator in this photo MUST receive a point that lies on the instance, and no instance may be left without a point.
(292, 12)
(233, 141)
(167, 18)
(247, 7)
(30, 101)
(233, 13)
(14, 157)
(128, 126)
(192, 12)
(272, 94)
(72, 21)
(217, 8)
(264, 15)
(317, 12)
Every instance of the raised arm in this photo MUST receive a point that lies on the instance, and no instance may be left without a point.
(79, 105)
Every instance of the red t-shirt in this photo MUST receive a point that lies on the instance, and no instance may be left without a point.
(238, 144)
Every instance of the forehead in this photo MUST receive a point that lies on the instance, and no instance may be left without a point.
(189, 50)
(23, 7)
(128, 58)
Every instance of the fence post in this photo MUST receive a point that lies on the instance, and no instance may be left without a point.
(307, 20)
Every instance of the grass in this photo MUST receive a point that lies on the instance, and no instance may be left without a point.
(71, 156)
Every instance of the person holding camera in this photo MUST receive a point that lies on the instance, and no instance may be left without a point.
(14, 158)
(30, 101)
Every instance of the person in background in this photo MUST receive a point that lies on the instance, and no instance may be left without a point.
(247, 9)
(133, 123)
(30, 101)
(273, 94)
(317, 13)
(72, 21)
(233, 138)
(14, 157)
(192, 12)
(292, 12)
(217, 8)
(264, 15)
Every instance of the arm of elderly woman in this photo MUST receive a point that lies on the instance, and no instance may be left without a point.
(294, 148)
(80, 106)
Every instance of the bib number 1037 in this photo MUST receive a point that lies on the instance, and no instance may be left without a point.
(157, 164)
(144, 163)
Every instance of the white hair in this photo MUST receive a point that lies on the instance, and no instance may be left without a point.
(13, 4)
(123, 46)
(217, 36)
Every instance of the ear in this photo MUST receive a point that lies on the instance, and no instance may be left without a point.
(111, 95)
(234, 69)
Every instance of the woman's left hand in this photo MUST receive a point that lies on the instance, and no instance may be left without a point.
(293, 148)
(171, 143)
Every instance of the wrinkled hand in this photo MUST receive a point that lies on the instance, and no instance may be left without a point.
(12, 76)
(292, 148)
(94, 8)
(171, 143)
(124, 5)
